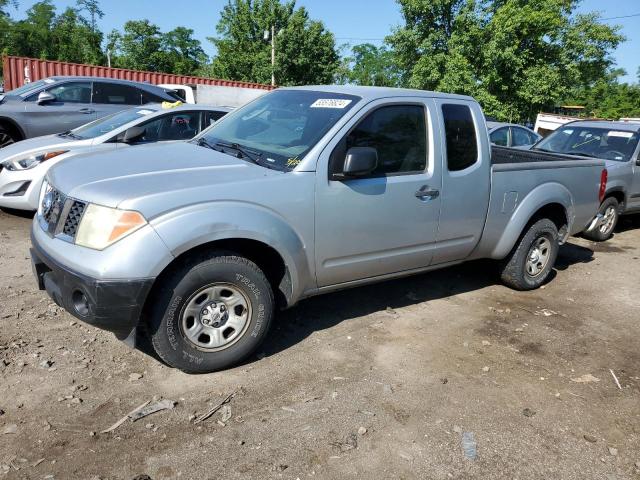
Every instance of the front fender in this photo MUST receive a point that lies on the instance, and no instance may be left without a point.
(195, 225)
(536, 199)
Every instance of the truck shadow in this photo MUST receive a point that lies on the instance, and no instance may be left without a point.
(325, 311)
(18, 213)
(628, 222)
(293, 326)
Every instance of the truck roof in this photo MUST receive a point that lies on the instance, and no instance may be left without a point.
(372, 93)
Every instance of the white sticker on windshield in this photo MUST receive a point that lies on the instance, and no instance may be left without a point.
(330, 103)
(144, 112)
(614, 133)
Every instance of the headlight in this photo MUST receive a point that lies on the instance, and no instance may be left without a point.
(31, 161)
(103, 226)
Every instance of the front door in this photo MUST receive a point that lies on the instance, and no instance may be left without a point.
(386, 221)
(70, 109)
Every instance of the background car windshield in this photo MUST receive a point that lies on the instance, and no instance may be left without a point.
(609, 144)
(28, 87)
(283, 125)
(111, 122)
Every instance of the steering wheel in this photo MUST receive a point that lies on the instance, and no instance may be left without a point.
(612, 154)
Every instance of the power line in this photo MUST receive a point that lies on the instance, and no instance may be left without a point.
(623, 16)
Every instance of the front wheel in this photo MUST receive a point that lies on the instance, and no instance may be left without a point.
(610, 211)
(211, 314)
(530, 262)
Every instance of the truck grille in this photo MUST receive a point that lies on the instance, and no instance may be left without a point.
(59, 215)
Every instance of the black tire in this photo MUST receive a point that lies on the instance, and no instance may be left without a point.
(515, 273)
(168, 304)
(600, 233)
(7, 137)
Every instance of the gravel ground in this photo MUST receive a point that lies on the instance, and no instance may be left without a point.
(443, 375)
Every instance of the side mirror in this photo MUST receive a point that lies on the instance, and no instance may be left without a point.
(638, 161)
(133, 134)
(360, 161)
(45, 97)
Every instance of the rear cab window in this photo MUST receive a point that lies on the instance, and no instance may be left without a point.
(461, 139)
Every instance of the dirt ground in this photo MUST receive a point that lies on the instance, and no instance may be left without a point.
(385, 381)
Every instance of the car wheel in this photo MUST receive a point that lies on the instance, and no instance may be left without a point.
(211, 314)
(7, 138)
(530, 262)
(610, 211)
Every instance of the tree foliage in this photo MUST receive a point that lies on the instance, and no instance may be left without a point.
(608, 97)
(305, 50)
(371, 65)
(515, 56)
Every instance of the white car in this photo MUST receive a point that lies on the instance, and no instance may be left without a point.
(23, 165)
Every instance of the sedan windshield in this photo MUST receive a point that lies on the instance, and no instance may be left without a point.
(278, 129)
(597, 142)
(109, 123)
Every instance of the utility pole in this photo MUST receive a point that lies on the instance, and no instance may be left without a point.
(273, 55)
(273, 51)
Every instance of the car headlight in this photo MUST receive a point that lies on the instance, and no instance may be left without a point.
(31, 161)
(102, 226)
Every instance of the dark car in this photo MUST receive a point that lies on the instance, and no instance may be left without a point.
(59, 104)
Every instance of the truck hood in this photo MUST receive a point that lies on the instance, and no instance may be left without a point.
(39, 145)
(109, 178)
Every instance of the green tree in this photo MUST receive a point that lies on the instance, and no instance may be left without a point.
(75, 40)
(608, 98)
(306, 51)
(139, 47)
(184, 53)
(374, 66)
(515, 56)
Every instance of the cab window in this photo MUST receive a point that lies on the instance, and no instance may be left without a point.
(460, 132)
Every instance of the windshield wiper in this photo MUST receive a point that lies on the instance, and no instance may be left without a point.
(70, 134)
(243, 152)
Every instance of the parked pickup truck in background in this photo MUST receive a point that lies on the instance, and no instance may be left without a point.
(301, 192)
(618, 144)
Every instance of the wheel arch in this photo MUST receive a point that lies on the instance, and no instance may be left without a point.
(12, 125)
(552, 201)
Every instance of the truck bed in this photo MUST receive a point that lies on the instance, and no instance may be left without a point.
(522, 181)
(502, 155)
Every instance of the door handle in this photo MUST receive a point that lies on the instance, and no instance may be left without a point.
(425, 193)
(87, 110)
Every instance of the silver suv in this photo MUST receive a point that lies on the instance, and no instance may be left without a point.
(59, 104)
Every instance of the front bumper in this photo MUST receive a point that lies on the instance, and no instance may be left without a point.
(115, 306)
(20, 190)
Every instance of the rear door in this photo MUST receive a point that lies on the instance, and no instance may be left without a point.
(112, 97)
(71, 108)
(466, 179)
(385, 222)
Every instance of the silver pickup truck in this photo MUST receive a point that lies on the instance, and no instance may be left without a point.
(618, 144)
(301, 192)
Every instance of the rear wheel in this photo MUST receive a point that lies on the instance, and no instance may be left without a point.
(211, 314)
(610, 211)
(530, 262)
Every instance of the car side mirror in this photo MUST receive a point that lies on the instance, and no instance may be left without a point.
(638, 161)
(133, 134)
(45, 97)
(360, 161)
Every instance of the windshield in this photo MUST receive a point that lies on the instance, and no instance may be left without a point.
(279, 128)
(606, 143)
(107, 124)
(28, 87)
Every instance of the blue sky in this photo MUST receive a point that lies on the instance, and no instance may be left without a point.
(352, 21)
